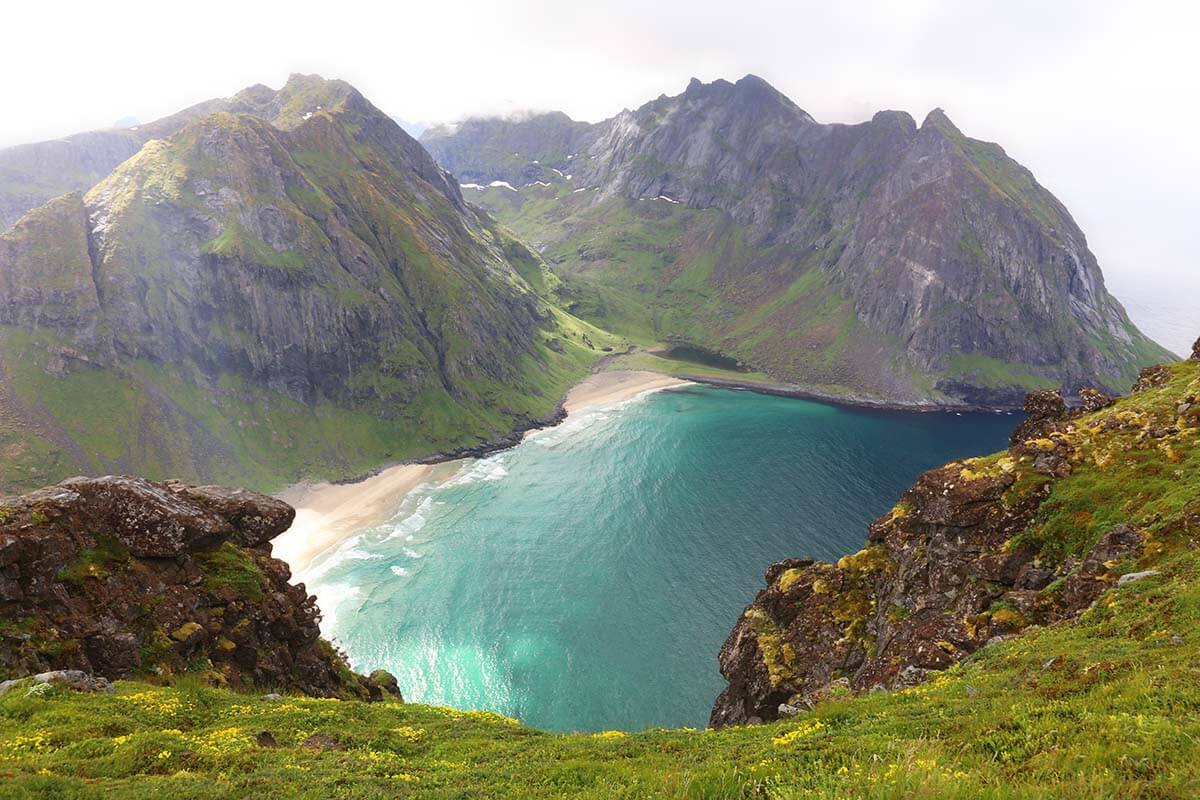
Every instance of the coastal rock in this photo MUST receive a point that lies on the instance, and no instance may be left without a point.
(120, 577)
(944, 573)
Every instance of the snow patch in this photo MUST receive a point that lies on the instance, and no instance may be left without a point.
(501, 185)
(668, 199)
(471, 186)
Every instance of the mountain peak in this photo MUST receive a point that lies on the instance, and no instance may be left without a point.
(939, 120)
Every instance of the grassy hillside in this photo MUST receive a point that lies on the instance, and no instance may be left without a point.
(1102, 707)
(654, 272)
(151, 419)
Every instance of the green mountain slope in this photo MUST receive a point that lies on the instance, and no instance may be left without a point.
(883, 261)
(292, 290)
(1099, 705)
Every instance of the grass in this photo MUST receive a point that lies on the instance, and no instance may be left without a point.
(94, 562)
(1107, 706)
(983, 370)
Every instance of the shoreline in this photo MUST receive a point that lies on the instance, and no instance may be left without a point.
(848, 401)
(330, 512)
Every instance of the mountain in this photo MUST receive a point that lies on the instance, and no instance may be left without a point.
(883, 261)
(900, 685)
(285, 286)
(413, 129)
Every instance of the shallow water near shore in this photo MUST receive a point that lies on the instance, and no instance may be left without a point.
(586, 579)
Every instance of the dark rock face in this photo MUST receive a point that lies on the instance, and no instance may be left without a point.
(939, 579)
(1196, 351)
(118, 576)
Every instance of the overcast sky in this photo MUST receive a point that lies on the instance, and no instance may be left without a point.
(1098, 98)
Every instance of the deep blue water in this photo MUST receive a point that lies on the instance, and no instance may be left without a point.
(586, 579)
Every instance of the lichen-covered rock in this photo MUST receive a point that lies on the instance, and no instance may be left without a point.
(1154, 377)
(1094, 399)
(121, 577)
(73, 679)
(1041, 407)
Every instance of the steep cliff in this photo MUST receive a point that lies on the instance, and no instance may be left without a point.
(883, 260)
(120, 577)
(295, 271)
(980, 550)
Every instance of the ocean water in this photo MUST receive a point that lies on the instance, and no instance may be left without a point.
(586, 579)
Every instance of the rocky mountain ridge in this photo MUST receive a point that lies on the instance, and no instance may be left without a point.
(976, 551)
(907, 262)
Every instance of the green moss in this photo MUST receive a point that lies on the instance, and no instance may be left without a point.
(982, 370)
(777, 653)
(229, 567)
(95, 562)
(236, 242)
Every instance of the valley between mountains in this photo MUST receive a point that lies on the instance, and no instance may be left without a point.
(285, 285)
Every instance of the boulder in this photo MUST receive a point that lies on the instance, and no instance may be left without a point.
(73, 679)
(1130, 577)
(1094, 399)
(1041, 407)
(256, 518)
(1154, 377)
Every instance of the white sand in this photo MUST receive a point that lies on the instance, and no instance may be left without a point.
(327, 514)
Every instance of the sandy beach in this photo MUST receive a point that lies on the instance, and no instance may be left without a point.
(608, 388)
(328, 513)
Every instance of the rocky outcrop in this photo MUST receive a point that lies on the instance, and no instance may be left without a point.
(901, 261)
(118, 577)
(958, 563)
(1196, 351)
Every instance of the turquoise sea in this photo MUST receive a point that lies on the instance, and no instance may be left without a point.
(586, 579)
